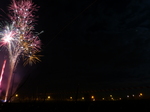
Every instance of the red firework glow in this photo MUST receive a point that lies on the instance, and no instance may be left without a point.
(18, 36)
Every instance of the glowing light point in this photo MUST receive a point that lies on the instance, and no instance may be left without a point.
(112, 98)
(140, 95)
(16, 95)
(71, 98)
(92, 97)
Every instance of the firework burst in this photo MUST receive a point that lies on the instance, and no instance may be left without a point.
(18, 36)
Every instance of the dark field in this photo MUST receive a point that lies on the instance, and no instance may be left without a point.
(97, 106)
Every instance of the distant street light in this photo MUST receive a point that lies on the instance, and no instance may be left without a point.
(140, 95)
(92, 97)
(71, 98)
(16, 95)
(112, 98)
(82, 98)
(48, 97)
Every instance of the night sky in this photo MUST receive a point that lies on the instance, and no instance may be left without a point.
(97, 44)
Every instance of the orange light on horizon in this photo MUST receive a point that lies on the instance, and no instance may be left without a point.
(16, 95)
(82, 98)
(70, 97)
(92, 97)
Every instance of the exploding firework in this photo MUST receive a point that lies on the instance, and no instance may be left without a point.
(18, 36)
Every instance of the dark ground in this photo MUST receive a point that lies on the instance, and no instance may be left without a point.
(104, 106)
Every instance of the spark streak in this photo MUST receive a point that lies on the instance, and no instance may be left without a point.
(2, 72)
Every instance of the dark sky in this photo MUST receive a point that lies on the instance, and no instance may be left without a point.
(98, 44)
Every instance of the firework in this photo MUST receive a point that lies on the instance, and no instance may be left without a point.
(18, 36)
(2, 72)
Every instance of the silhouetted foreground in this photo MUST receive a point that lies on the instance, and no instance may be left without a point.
(95, 106)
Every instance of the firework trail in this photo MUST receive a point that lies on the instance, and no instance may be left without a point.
(2, 72)
(18, 36)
